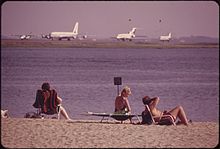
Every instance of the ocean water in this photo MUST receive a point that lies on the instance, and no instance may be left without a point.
(83, 78)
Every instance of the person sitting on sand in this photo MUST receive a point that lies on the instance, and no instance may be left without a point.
(177, 112)
(46, 87)
(122, 105)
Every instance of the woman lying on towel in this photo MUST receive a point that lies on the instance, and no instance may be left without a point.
(177, 112)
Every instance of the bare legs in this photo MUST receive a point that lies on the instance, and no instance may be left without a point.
(62, 109)
(64, 113)
(178, 112)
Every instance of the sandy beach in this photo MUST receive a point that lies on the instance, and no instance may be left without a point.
(52, 133)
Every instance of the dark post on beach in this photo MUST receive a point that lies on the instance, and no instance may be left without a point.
(117, 81)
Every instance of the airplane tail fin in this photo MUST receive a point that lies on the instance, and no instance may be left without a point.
(75, 30)
(169, 35)
(132, 31)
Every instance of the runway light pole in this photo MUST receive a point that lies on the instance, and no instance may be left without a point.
(117, 81)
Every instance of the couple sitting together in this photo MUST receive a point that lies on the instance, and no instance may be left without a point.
(122, 106)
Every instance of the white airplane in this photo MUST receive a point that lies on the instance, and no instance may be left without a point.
(45, 36)
(24, 37)
(63, 35)
(165, 38)
(127, 36)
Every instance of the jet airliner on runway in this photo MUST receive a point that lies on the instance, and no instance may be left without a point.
(66, 35)
(127, 36)
(63, 35)
(165, 38)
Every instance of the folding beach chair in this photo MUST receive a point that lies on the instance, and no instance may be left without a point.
(46, 103)
(148, 118)
(118, 117)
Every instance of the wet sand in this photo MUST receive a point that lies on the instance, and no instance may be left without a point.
(51, 133)
(89, 43)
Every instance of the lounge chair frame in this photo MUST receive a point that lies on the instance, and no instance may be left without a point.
(118, 117)
(161, 120)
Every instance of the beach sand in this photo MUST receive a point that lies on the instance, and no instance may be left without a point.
(52, 133)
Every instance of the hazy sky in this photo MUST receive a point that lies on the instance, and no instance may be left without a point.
(108, 18)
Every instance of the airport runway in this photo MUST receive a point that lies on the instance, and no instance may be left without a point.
(90, 43)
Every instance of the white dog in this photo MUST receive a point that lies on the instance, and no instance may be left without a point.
(4, 113)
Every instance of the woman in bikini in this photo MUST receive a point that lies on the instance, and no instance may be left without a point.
(177, 112)
(122, 105)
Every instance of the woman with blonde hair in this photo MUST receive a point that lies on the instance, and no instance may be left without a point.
(122, 105)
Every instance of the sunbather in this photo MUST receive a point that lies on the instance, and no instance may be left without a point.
(177, 112)
(46, 87)
(122, 105)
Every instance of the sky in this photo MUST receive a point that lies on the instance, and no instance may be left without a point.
(109, 18)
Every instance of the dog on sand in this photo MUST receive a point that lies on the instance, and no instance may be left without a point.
(4, 114)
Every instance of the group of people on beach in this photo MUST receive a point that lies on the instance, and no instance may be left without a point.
(122, 105)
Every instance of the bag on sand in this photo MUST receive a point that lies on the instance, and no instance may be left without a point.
(146, 117)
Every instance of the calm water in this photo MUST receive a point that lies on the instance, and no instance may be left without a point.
(84, 79)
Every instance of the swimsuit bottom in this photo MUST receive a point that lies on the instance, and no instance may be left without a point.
(167, 113)
(123, 111)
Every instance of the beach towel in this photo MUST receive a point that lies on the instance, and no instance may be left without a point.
(46, 101)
